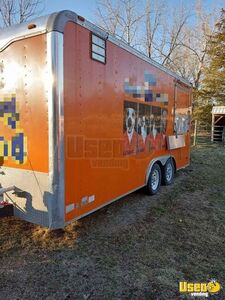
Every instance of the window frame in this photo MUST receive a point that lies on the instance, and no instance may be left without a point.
(93, 52)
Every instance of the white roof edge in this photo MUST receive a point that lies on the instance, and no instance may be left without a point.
(56, 21)
(132, 50)
(20, 31)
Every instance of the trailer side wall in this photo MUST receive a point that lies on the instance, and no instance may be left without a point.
(96, 97)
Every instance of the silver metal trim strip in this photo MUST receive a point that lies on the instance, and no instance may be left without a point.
(57, 21)
(56, 127)
(20, 31)
(97, 30)
(142, 56)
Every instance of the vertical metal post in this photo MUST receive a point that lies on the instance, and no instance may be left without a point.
(195, 132)
(174, 108)
(223, 136)
(212, 130)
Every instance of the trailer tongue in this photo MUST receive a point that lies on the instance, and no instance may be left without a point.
(5, 190)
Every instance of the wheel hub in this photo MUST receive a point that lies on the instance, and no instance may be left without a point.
(169, 172)
(155, 179)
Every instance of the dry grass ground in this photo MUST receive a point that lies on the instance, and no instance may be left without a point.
(137, 248)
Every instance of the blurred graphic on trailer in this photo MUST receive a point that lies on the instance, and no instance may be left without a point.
(144, 125)
(144, 128)
(13, 144)
(130, 128)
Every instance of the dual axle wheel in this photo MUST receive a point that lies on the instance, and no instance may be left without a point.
(160, 176)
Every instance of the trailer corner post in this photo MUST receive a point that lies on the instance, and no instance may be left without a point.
(56, 129)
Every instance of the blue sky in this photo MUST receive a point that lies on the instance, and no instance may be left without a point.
(86, 8)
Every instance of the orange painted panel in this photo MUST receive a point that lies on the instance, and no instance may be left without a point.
(101, 163)
(24, 105)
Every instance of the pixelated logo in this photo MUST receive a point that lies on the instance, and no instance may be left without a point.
(15, 147)
(200, 289)
(145, 91)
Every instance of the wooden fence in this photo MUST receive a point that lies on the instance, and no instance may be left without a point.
(201, 134)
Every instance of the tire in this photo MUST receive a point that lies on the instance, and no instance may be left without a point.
(154, 180)
(168, 172)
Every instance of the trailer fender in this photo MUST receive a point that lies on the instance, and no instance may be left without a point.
(161, 160)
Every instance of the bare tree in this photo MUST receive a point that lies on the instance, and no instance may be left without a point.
(175, 36)
(130, 20)
(200, 39)
(121, 18)
(154, 11)
(174, 32)
(108, 15)
(190, 56)
(18, 11)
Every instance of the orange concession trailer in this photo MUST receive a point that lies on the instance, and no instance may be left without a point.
(84, 119)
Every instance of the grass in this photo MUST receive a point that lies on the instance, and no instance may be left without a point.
(137, 248)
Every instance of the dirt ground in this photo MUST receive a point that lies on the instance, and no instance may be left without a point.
(137, 248)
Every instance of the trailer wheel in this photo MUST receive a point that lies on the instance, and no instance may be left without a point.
(154, 180)
(168, 172)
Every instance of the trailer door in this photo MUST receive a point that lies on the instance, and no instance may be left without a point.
(182, 119)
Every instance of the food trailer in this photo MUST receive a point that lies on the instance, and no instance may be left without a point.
(85, 119)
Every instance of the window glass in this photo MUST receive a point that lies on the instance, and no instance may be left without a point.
(98, 49)
(98, 57)
(98, 41)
